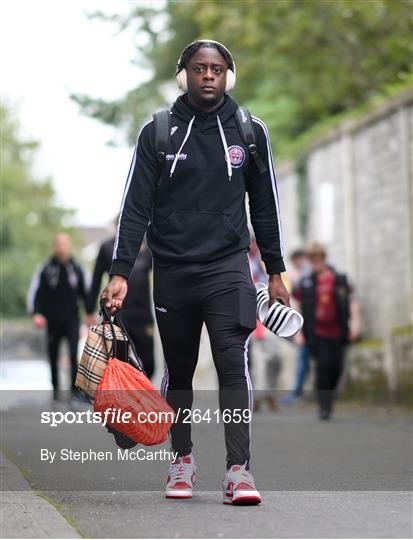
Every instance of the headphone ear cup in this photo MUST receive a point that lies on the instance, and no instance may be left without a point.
(231, 78)
(182, 80)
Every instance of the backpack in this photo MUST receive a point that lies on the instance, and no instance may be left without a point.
(162, 122)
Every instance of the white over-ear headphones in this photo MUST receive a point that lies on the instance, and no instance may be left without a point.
(181, 73)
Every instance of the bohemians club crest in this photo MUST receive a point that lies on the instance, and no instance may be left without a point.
(236, 155)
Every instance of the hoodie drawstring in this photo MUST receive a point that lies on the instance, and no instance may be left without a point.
(225, 145)
(188, 131)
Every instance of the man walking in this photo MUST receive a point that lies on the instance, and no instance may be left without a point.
(331, 321)
(193, 206)
(53, 298)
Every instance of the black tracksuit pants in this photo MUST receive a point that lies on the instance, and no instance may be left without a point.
(56, 331)
(221, 294)
(329, 366)
(142, 337)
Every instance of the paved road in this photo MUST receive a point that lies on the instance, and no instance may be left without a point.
(348, 478)
(24, 513)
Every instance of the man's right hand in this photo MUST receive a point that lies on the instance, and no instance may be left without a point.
(38, 320)
(114, 293)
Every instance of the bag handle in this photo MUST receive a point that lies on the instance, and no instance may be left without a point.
(138, 363)
(107, 318)
(127, 340)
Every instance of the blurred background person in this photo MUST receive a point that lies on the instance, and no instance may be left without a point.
(53, 302)
(136, 313)
(266, 365)
(300, 267)
(265, 359)
(330, 322)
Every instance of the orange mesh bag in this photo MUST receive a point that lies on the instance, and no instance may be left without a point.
(125, 389)
(103, 339)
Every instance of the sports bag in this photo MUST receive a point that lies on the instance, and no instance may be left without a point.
(136, 408)
(102, 341)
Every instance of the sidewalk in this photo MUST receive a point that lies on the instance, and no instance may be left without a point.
(349, 478)
(24, 514)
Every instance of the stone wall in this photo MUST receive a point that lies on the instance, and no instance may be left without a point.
(360, 206)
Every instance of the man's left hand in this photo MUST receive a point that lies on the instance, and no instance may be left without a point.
(277, 290)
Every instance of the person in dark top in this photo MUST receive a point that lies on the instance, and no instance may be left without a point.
(330, 323)
(136, 311)
(192, 206)
(53, 302)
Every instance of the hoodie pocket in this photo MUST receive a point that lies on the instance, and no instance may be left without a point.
(196, 235)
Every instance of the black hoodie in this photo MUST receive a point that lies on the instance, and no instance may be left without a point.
(198, 213)
(55, 290)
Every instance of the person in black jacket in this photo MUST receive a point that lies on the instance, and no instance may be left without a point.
(53, 301)
(136, 311)
(192, 206)
(331, 321)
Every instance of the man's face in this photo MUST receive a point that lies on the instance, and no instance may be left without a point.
(299, 262)
(318, 261)
(206, 75)
(63, 247)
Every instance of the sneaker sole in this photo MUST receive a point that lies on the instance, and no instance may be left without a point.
(178, 494)
(227, 499)
(243, 498)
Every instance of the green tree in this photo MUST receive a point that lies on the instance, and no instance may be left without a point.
(298, 61)
(29, 216)
(165, 31)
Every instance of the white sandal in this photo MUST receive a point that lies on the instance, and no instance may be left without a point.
(283, 321)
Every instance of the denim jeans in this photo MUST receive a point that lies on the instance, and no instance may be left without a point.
(303, 365)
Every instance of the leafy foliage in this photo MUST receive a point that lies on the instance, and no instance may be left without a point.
(29, 217)
(298, 62)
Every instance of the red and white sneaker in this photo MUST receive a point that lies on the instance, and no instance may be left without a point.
(181, 478)
(239, 488)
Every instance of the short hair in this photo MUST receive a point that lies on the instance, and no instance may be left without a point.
(315, 248)
(192, 48)
(296, 254)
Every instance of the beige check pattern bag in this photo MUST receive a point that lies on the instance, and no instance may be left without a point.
(97, 351)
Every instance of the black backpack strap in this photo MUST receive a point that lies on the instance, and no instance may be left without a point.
(162, 122)
(244, 121)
